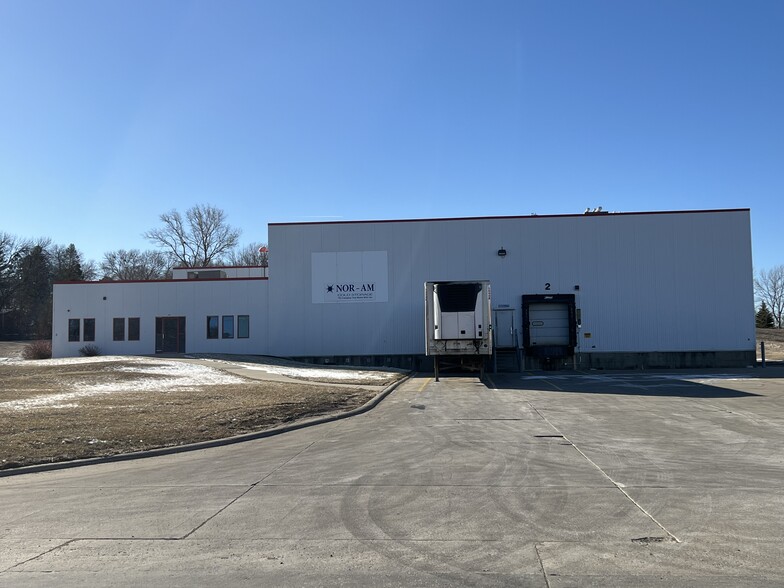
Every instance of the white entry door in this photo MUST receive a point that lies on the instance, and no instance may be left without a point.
(504, 327)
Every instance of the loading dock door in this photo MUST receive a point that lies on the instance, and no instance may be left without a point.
(549, 324)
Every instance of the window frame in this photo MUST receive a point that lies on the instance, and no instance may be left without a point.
(223, 326)
(240, 319)
(215, 334)
(88, 335)
(118, 321)
(135, 334)
(71, 324)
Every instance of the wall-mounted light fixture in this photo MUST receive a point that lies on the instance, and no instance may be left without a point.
(502, 252)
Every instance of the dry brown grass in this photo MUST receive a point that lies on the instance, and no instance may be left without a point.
(125, 421)
(774, 343)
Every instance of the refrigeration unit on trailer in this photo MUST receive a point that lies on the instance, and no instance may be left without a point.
(458, 322)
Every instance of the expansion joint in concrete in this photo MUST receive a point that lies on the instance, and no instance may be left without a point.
(541, 564)
(29, 559)
(618, 485)
(248, 489)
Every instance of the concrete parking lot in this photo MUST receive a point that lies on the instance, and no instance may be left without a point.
(549, 479)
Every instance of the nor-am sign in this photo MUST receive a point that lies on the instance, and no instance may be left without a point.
(350, 276)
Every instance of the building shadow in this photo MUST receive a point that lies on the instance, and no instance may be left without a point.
(683, 384)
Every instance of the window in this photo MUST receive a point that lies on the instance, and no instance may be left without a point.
(133, 329)
(119, 329)
(228, 327)
(212, 327)
(243, 326)
(89, 329)
(73, 330)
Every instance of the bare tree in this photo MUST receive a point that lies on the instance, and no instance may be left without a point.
(769, 288)
(10, 249)
(201, 239)
(253, 254)
(134, 265)
(90, 270)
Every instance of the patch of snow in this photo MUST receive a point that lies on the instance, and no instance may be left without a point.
(49, 400)
(320, 373)
(325, 373)
(77, 360)
(162, 375)
(176, 376)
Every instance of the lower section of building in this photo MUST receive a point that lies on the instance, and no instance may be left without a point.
(667, 359)
(593, 291)
(583, 361)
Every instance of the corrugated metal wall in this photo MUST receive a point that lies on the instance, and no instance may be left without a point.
(648, 282)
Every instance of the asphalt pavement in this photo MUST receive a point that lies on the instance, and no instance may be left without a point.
(548, 479)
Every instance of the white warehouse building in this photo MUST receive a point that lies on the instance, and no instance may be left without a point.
(618, 290)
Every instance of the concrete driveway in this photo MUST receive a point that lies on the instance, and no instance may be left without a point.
(590, 479)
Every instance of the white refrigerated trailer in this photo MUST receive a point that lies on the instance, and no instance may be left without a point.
(458, 323)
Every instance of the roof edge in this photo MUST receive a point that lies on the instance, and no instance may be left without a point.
(180, 281)
(527, 216)
(216, 267)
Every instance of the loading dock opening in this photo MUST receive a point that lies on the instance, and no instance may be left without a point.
(549, 327)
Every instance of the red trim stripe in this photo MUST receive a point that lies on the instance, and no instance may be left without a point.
(182, 281)
(217, 267)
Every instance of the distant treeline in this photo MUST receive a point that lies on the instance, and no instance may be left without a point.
(29, 267)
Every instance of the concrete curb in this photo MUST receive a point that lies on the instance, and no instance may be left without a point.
(63, 465)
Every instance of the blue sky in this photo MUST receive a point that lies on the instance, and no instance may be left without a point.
(114, 112)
